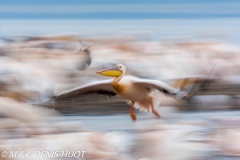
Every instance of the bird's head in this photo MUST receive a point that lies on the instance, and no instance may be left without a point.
(116, 71)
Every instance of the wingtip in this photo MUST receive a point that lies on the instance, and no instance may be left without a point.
(86, 48)
(180, 94)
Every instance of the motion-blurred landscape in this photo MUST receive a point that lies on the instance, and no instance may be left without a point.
(50, 47)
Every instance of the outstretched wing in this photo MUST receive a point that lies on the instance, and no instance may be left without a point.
(156, 85)
(101, 87)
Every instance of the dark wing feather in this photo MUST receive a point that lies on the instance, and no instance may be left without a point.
(101, 87)
(103, 92)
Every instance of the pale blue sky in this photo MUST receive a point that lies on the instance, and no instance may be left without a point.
(161, 20)
(118, 9)
(111, 1)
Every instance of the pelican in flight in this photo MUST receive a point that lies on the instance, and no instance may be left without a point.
(138, 91)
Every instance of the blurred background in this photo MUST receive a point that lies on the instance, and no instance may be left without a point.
(47, 47)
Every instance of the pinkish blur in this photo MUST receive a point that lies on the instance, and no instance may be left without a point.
(34, 69)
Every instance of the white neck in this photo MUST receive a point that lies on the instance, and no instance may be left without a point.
(117, 79)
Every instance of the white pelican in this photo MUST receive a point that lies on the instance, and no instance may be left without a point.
(138, 91)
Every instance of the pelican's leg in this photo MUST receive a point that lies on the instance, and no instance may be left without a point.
(153, 108)
(133, 115)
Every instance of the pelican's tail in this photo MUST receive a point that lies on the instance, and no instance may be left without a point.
(145, 105)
